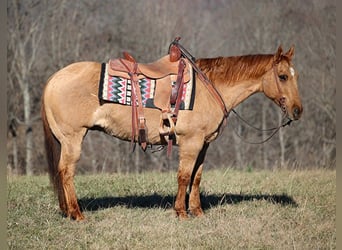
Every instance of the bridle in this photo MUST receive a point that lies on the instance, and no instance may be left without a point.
(282, 98)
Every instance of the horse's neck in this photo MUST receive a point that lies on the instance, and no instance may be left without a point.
(233, 95)
(236, 78)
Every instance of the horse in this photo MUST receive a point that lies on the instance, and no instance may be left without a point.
(70, 107)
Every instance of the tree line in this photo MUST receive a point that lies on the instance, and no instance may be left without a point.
(44, 36)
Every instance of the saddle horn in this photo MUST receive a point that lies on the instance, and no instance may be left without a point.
(174, 51)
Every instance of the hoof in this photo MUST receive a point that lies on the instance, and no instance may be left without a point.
(182, 215)
(197, 212)
(78, 217)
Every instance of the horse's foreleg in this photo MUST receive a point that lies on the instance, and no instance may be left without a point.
(188, 153)
(70, 154)
(194, 197)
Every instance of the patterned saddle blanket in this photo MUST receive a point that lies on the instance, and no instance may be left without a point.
(118, 89)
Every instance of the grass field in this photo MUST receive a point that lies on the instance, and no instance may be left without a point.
(243, 210)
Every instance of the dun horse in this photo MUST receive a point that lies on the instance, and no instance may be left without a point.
(70, 106)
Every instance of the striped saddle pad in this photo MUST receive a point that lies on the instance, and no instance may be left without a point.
(117, 89)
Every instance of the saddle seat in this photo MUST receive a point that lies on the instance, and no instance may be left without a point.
(156, 70)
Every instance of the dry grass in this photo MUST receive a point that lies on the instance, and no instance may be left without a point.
(257, 210)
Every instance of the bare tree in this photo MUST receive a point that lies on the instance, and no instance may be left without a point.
(25, 37)
(44, 36)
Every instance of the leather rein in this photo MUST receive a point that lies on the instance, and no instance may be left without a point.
(212, 90)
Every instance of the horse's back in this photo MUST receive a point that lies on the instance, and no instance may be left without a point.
(75, 71)
(69, 76)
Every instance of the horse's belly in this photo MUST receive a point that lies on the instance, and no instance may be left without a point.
(116, 120)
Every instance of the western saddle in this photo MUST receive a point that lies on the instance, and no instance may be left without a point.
(171, 68)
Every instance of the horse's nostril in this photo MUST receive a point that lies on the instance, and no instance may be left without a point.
(296, 112)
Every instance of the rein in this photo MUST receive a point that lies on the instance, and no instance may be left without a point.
(275, 129)
(212, 90)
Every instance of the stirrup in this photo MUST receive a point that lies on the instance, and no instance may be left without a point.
(166, 126)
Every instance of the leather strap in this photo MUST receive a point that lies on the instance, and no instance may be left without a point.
(138, 118)
(212, 90)
(179, 87)
(282, 98)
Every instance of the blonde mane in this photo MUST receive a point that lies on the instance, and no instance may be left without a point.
(236, 68)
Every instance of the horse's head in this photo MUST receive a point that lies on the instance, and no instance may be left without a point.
(280, 84)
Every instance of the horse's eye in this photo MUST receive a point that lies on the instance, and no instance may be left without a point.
(283, 78)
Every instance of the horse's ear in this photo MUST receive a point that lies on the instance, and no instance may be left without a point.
(289, 54)
(277, 56)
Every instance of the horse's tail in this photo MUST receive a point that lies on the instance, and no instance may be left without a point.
(52, 148)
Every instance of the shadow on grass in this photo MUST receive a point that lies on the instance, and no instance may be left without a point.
(165, 202)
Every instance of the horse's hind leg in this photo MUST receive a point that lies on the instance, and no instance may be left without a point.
(70, 154)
